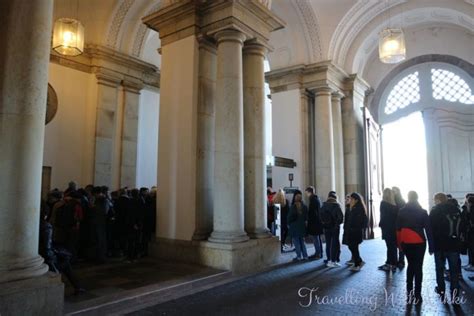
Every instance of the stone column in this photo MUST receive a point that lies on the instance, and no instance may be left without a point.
(324, 142)
(353, 135)
(338, 143)
(307, 137)
(106, 152)
(129, 134)
(205, 139)
(255, 175)
(229, 162)
(25, 35)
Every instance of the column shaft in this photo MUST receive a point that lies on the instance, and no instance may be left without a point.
(254, 139)
(24, 58)
(106, 147)
(324, 143)
(229, 162)
(306, 138)
(205, 140)
(129, 135)
(338, 144)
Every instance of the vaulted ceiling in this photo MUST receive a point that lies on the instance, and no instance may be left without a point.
(344, 31)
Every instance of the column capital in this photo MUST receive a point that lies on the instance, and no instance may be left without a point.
(207, 43)
(337, 95)
(230, 35)
(107, 78)
(256, 47)
(324, 90)
(132, 86)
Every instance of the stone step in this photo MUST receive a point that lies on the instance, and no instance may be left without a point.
(139, 298)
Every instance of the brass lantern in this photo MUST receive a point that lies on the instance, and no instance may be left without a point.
(68, 37)
(392, 47)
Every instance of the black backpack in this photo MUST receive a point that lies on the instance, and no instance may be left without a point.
(451, 227)
(326, 216)
(65, 215)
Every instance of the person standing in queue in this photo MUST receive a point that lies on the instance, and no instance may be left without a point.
(297, 221)
(354, 228)
(412, 224)
(331, 218)
(315, 228)
(388, 219)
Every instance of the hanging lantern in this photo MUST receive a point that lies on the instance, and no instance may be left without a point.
(392, 46)
(68, 37)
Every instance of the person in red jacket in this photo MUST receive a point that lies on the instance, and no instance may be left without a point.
(412, 224)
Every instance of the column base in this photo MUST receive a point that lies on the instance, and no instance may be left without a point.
(42, 295)
(245, 257)
(228, 237)
(260, 233)
(201, 235)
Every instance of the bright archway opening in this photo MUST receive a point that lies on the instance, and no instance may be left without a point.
(404, 153)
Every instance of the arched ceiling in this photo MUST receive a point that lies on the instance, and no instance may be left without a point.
(343, 31)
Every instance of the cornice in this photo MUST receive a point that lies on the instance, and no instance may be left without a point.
(312, 77)
(196, 17)
(106, 62)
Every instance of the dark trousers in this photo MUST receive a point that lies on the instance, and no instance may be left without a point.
(454, 269)
(332, 243)
(415, 254)
(470, 250)
(354, 248)
(132, 245)
(284, 234)
(401, 256)
(391, 242)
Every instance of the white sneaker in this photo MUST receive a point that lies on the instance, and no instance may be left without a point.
(355, 269)
(336, 264)
(331, 264)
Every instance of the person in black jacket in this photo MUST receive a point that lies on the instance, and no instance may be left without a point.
(56, 257)
(412, 223)
(331, 218)
(445, 220)
(468, 221)
(354, 228)
(315, 228)
(297, 222)
(388, 218)
(400, 202)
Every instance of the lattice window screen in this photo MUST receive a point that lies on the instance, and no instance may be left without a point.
(405, 92)
(450, 87)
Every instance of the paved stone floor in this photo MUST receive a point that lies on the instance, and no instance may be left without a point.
(368, 292)
(116, 278)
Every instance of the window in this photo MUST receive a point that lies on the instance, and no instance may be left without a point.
(405, 92)
(430, 82)
(450, 87)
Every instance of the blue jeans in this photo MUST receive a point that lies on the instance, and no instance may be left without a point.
(318, 251)
(332, 243)
(300, 247)
(454, 269)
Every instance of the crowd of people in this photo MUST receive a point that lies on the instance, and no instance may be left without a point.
(93, 224)
(407, 230)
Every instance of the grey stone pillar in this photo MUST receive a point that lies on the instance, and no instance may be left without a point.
(205, 140)
(338, 143)
(107, 150)
(254, 141)
(25, 34)
(307, 138)
(324, 142)
(229, 146)
(129, 134)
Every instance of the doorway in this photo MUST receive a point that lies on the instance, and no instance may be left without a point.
(404, 154)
